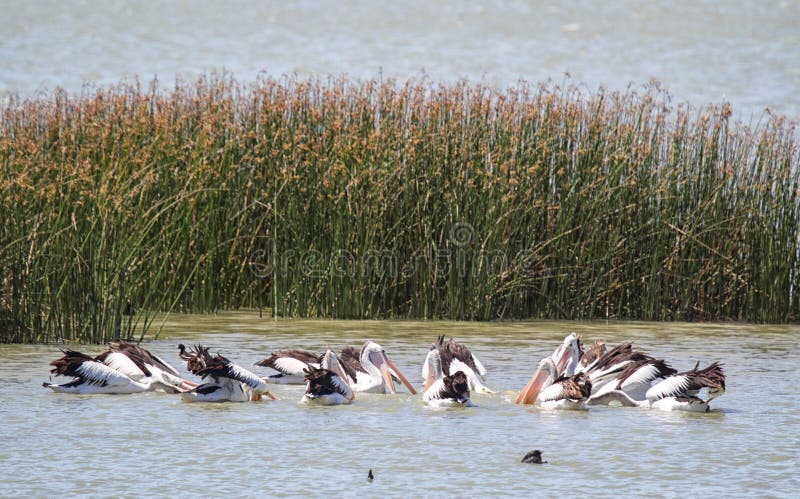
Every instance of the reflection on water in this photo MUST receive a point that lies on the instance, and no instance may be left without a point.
(153, 444)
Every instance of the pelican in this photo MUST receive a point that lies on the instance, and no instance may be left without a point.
(564, 362)
(92, 376)
(455, 357)
(224, 381)
(372, 371)
(139, 364)
(679, 392)
(558, 392)
(441, 390)
(291, 366)
(326, 385)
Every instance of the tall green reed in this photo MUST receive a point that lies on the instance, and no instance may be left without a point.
(371, 199)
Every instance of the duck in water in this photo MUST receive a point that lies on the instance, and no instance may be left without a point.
(533, 457)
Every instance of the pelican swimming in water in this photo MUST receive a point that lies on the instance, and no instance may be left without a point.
(224, 381)
(454, 357)
(291, 366)
(326, 385)
(678, 392)
(444, 390)
(372, 370)
(93, 376)
(141, 365)
(564, 362)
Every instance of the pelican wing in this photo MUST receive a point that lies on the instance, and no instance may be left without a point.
(597, 350)
(674, 386)
(576, 387)
(124, 364)
(140, 356)
(688, 384)
(163, 365)
(244, 376)
(290, 362)
(452, 351)
(638, 377)
(475, 381)
(351, 356)
(97, 373)
(342, 387)
(481, 370)
(432, 369)
(435, 391)
(301, 355)
(610, 371)
(289, 366)
(551, 393)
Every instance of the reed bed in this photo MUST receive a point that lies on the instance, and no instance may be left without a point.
(385, 199)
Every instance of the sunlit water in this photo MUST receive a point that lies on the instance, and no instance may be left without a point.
(155, 445)
(742, 51)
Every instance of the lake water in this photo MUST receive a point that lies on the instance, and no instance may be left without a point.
(155, 445)
(741, 51)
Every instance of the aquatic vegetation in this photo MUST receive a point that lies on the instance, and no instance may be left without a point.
(372, 199)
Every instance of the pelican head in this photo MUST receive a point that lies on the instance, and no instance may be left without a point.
(567, 355)
(331, 362)
(376, 363)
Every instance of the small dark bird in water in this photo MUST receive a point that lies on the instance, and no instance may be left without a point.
(533, 457)
(370, 476)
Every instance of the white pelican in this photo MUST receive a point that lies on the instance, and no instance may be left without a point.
(679, 392)
(373, 370)
(140, 365)
(225, 382)
(325, 385)
(444, 391)
(455, 357)
(92, 376)
(565, 361)
(291, 366)
(558, 392)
